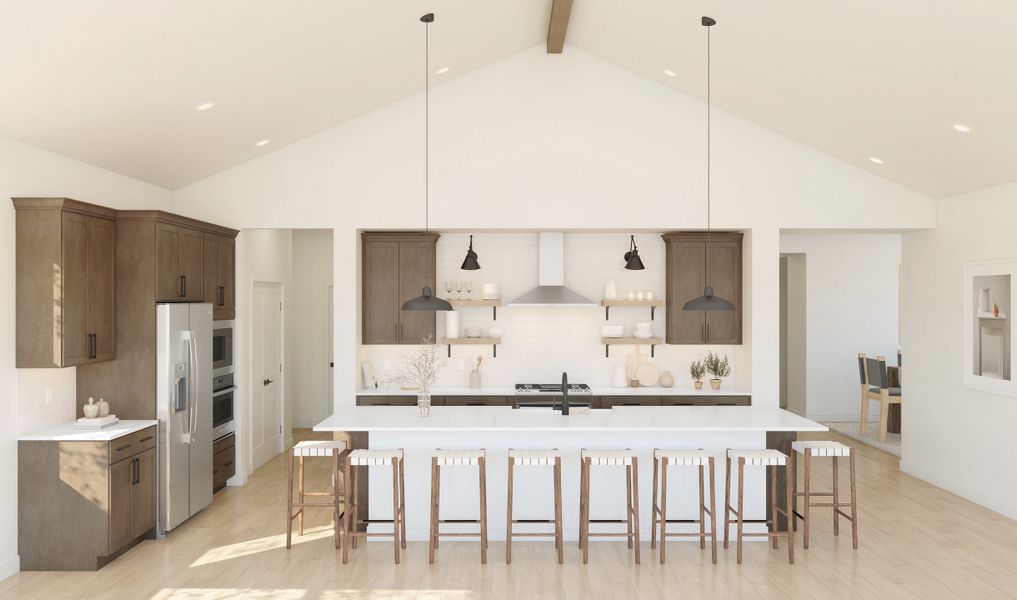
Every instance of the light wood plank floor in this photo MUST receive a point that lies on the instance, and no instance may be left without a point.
(916, 542)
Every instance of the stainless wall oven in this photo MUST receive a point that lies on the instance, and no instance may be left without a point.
(222, 405)
(222, 347)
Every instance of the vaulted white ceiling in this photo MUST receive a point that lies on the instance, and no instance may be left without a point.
(115, 83)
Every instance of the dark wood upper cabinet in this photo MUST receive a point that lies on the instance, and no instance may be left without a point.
(179, 264)
(687, 258)
(66, 282)
(396, 267)
(219, 272)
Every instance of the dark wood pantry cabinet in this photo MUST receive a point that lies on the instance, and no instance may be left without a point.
(178, 264)
(66, 282)
(688, 256)
(219, 272)
(396, 267)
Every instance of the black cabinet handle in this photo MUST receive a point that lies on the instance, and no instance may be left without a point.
(145, 439)
(222, 296)
(182, 286)
(122, 448)
(229, 464)
(707, 332)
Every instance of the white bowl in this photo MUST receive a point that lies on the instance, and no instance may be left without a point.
(612, 331)
(643, 335)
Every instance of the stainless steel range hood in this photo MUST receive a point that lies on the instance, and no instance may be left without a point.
(551, 290)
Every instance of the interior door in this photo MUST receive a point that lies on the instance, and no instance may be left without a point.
(331, 352)
(266, 372)
(102, 287)
(74, 296)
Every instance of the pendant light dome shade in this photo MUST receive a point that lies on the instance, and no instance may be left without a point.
(470, 263)
(632, 260)
(708, 302)
(427, 301)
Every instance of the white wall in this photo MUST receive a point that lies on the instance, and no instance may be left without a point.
(539, 343)
(31, 400)
(262, 255)
(852, 291)
(554, 142)
(309, 372)
(957, 438)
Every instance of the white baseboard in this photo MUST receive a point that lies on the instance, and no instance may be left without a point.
(237, 480)
(993, 504)
(10, 567)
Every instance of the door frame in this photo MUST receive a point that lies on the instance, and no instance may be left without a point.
(283, 373)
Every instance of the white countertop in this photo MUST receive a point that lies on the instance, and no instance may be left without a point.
(628, 418)
(69, 433)
(597, 391)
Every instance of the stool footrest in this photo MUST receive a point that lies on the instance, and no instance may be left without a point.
(313, 505)
(606, 534)
(461, 534)
(516, 534)
(688, 534)
(464, 521)
(514, 521)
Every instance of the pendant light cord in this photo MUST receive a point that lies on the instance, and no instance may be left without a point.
(706, 248)
(427, 125)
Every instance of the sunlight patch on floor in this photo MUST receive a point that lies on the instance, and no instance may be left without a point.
(228, 594)
(379, 594)
(249, 547)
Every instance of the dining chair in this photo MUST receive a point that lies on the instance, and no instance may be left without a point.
(877, 388)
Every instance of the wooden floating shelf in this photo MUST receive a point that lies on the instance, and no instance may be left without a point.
(629, 341)
(484, 341)
(653, 305)
(492, 304)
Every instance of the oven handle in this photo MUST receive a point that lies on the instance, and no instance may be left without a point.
(231, 388)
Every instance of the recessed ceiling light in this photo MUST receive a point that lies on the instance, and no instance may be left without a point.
(204, 106)
(442, 71)
(262, 143)
(876, 159)
(670, 73)
(961, 127)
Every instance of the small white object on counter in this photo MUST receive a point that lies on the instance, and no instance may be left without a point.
(96, 423)
(69, 433)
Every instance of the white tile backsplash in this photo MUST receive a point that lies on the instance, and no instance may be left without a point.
(46, 397)
(539, 343)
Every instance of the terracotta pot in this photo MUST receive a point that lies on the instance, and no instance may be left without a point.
(715, 384)
(698, 384)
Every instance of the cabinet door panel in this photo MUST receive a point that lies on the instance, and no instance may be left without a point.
(121, 477)
(102, 287)
(477, 401)
(73, 280)
(227, 277)
(612, 401)
(381, 293)
(210, 270)
(167, 263)
(143, 498)
(725, 275)
(191, 243)
(416, 269)
(685, 281)
(389, 401)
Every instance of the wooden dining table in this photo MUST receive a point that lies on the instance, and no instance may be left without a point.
(893, 419)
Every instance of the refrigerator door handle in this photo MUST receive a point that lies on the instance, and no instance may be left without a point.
(194, 396)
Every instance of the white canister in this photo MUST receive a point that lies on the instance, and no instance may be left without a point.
(620, 378)
(631, 295)
(649, 295)
(644, 329)
(610, 291)
(451, 324)
(639, 295)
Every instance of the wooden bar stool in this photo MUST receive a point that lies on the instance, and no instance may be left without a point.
(834, 450)
(352, 522)
(662, 459)
(768, 459)
(610, 458)
(322, 449)
(457, 458)
(535, 458)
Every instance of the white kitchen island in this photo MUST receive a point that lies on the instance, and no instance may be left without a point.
(497, 429)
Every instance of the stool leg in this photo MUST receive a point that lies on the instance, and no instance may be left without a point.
(300, 498)
(790, 529)
(402, 502)
(663, 508)
(794, 486)
(808, 499)
(483, 511)
(713, 512)
(635, 502)
(559, 534)
(508, 515)
(854, 505)
(289, 498)
(628, 504)
(773, 505)
(836, 500)
(582, 479)
(356, 506)
(347, 511)
(335, 497)
(653, 506)
(702, 508)
(741, 502)
(432, 538)
(437, 507)
(727, 499)
(584, 532)
(395, 508)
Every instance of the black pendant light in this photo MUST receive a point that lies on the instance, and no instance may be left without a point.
(426, 300)
(708, 301)
(632, 260)
(470, 263)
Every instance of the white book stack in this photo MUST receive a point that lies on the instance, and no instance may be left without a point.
(96, 423)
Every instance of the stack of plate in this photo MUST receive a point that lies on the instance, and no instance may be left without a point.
(490, 291)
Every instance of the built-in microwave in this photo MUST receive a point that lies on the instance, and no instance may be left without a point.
(222, 405)
(222, 348)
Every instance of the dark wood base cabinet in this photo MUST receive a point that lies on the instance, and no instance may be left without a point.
(82, 504)
(224, 463)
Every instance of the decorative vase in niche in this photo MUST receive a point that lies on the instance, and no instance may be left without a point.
(103, 407)
(698, 384)
(995, 309)
(983, 300)
(715, 384)
(424, 403)
(610, 291)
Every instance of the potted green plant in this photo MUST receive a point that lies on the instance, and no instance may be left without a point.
(697, 370)
(717, 367)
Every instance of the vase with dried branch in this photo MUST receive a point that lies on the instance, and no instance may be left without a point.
(420, 370)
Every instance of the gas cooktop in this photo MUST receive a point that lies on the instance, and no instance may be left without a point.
(578, 389)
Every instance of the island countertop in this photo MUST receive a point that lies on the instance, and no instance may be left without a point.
(596, 391)
(627, 418)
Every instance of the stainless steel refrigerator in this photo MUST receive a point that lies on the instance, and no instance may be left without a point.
(184, 410)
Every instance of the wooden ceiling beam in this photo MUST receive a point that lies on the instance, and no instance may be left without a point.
(560, 11)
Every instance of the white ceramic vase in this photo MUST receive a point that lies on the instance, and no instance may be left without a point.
(610, 291)
(451, 324)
